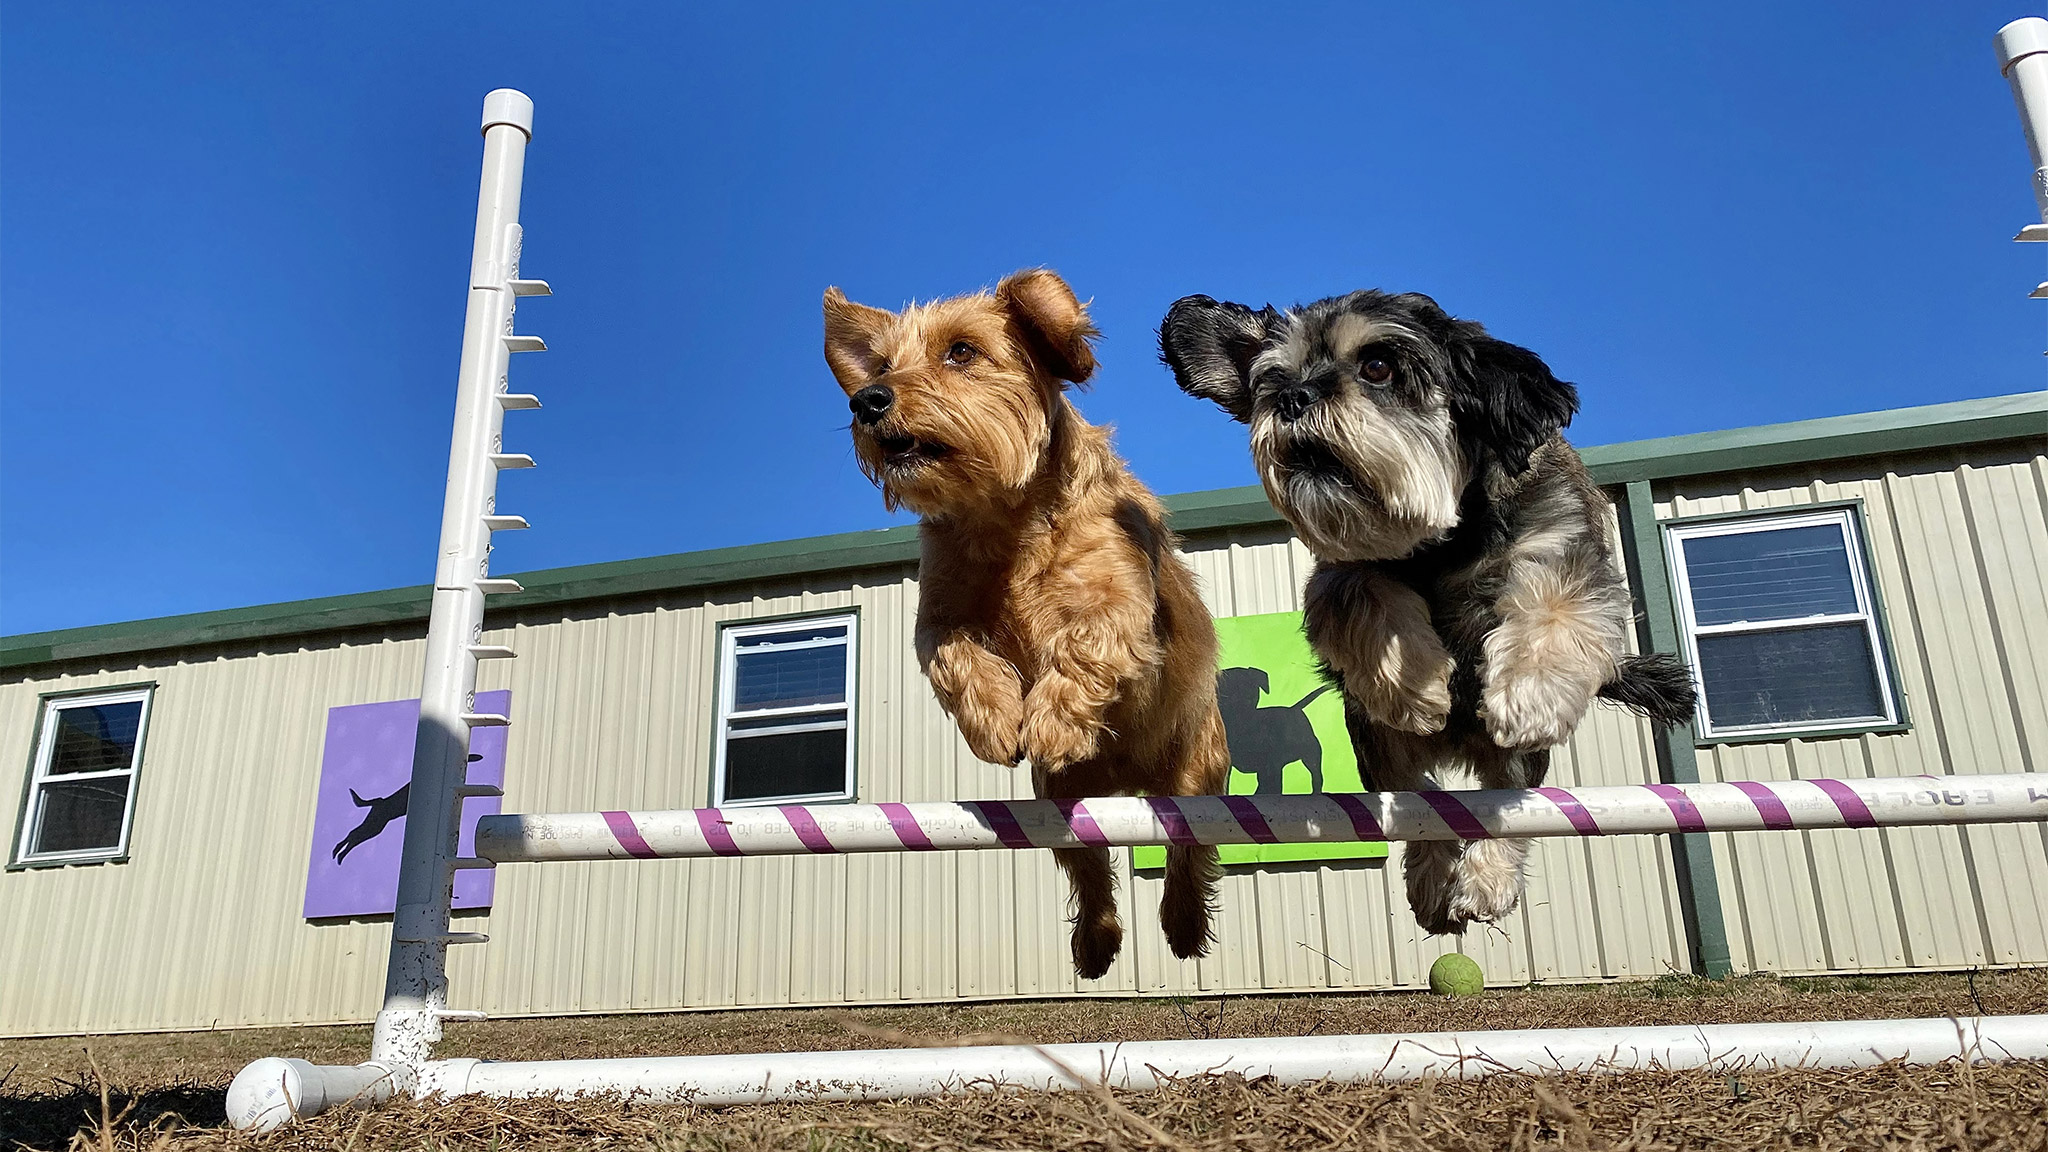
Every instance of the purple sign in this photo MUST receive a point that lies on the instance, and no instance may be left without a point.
(359, 825)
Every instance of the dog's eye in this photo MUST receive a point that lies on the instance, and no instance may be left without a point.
(1375, 368)
(882, 369)
(960, 353)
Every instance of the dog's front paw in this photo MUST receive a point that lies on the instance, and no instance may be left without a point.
(1528, 708)
(1051, 741)
(981, 692)
(995, 738)
(991, 717)
(1062, 724)
(1419, 702)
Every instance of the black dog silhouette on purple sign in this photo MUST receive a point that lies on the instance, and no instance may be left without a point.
(1265, 740)
(382, 811)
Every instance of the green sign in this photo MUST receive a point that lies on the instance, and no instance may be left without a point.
(1286, 731)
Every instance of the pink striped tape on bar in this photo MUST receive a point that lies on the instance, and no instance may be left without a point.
(711, 822)
(1767, 804)
(1639, 809)
(904, 822)
(621, 824)
(806, 827)
(1003, 822)
(1086, 830)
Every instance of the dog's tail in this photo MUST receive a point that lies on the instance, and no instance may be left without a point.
(1305, 701)
(1658, 688)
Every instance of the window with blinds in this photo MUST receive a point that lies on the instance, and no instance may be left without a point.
(80, 799)
(785, 720)
(1781, 625)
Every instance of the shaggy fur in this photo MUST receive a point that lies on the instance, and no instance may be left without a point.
(1466, 596)
(1055, 621)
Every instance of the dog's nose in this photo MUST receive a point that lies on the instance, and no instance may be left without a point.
(872, 402)
(1295, 400)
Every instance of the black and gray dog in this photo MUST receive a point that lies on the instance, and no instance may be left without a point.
(1466, 595)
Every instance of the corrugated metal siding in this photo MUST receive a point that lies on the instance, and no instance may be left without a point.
(612, 707)
(1960, 545)
(201, 925)
(628, 710)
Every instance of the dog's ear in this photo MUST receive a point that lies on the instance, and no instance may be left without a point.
(1505, 397)
(1209, 345)
(1052, 322)
(850, 331)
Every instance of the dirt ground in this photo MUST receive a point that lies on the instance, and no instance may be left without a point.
(166, 1090)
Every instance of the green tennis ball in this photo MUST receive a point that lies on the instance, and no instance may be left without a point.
(1454, 974)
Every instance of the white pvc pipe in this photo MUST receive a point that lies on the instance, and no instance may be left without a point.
(416, 979)
(271, 1091)
(2023, 57)
(799, 829)
(902, 1073)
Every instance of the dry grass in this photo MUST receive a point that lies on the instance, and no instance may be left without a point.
(165, 1090)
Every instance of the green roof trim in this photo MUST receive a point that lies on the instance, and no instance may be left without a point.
(844, 552)
(2017, 417)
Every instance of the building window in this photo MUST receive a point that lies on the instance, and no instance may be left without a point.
(81, 789)
(1781, 624)
(785, 721)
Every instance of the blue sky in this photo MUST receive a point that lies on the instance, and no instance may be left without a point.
(233, 240)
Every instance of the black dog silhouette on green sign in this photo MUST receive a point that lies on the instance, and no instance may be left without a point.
(1265, 740)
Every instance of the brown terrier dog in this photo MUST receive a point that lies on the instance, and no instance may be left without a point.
(1055, 621)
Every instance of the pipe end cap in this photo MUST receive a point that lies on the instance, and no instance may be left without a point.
(511, 106)
(2021, 38)
(263, 1095)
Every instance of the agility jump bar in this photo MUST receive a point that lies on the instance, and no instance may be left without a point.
(1330, 818)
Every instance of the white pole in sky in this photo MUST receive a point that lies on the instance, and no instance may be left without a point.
(416, 984)
(2023, 58)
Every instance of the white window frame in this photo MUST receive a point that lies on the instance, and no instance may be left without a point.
(39, 776)
(728, 688)
(1866, 614)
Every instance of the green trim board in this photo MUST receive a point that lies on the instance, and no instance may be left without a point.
(2022, 416)
(1692, 854)
(850, 551)
(1887, 654)
(2018, 417)
(1281, 718)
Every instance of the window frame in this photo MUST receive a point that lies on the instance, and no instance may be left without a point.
(1849, 516)
(727, 683)
(42, 747)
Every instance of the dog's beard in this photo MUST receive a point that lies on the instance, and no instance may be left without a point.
(948, 463)
(1362, 482)
(901, 465)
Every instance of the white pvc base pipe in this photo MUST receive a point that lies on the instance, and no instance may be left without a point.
(901, 1073)
(272, 1090)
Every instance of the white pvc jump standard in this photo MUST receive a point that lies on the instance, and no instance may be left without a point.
(2022, 48)
(271, 1092)
(416, 982)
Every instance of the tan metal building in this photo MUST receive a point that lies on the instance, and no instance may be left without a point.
(1907, 551)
